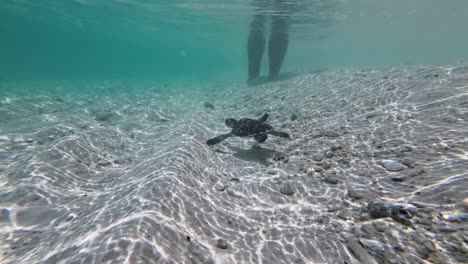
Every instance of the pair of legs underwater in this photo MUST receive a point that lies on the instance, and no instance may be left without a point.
(278, 42)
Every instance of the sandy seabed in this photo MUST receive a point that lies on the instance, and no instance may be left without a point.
(375, 172)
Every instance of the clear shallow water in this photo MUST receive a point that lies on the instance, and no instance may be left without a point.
(206, 40)
(106, 106)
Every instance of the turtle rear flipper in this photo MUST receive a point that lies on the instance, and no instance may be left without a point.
(260, 138)
(218, 139)
(279, 134)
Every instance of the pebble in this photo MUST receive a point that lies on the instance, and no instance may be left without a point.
(392, 165)
(329, 154)
(447, 229)
(222, 244)
(287, 189)
(293, 117)
(318, 169)
(336, 148)
(373, 245)
(361, 254)
(220, 187)
(331, 180)
(330, 133)
(460, 217)
(326, 166)
(356, 195)
(430, 246)
(405, 149)
(318, 157)
(310, 172)
(409, 163)
(104, 162)
(397, 178)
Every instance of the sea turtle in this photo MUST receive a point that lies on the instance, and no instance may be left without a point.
(246, 127)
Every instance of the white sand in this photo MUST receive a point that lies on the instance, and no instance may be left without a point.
(128, 176)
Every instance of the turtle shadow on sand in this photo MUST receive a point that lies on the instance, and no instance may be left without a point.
(255, 154)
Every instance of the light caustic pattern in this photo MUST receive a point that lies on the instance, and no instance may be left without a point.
(127, 178)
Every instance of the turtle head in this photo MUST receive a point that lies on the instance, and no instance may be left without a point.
(231, 122)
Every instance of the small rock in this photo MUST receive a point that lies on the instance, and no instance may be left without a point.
(422, 252)
(104, 162)
(272, 172)
(293, 117)
(220, 187)
(329, 154)
(331, 180)
(405, 149)
(430, 246)
(460, 217)
(318, 157)
(397, 178)
(447, 229)
(336, 148)
(343, 162)
(392, 165)
(310, 172)
(222, 244)
(361, 254)
(235, 179)
(318, 169)
(209, 105)
(332, 134)
(356, 195)
(373, 245)
(326, 166)
(409, 163)
(287, 189)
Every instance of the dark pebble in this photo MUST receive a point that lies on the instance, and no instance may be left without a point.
(222, 244)
(336, 148)
(331, 134)
(293, 117)
(430, 246)
(318, 157)
(397, 178)
(329, 154)
(287, 189)
(447, 229)
(331, 180)
(356, 195)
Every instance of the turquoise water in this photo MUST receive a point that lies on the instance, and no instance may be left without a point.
(206, 40)
(109, 110)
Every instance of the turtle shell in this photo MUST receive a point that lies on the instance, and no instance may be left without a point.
(250, 127)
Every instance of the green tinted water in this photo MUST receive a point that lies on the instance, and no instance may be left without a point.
(193, 41)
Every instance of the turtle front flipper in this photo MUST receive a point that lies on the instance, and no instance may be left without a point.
(263, 118)
(218, 139)
(279, 134)
(260, 138)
